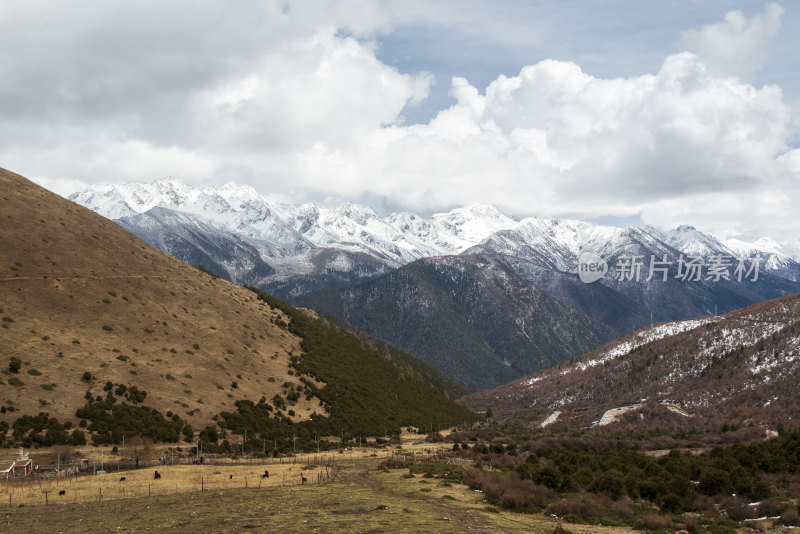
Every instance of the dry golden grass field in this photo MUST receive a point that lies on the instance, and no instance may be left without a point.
(361, 498)
(78, 293)
(174, 479)
(218, 473)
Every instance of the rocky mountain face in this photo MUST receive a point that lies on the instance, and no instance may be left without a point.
(424, 282)
(307, 247)
(474, 319)
(744, 365)
(196, 242)
(541, 250)
(538, 255)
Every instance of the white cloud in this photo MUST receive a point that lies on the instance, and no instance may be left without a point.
(555, 140)
(325, 89)
(736, 46)
(192, 90)
(296, 102)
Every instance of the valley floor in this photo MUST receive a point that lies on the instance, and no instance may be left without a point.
(363, 498)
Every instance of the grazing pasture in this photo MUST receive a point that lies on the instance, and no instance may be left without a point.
(185, 478)
(362, 498)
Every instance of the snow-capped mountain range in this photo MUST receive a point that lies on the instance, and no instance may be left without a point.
(289, 237)
(280, 231)
(501, 296)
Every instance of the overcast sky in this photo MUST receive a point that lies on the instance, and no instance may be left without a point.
(665, 113)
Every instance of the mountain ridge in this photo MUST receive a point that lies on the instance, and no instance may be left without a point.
(744, 364)
(285, 234)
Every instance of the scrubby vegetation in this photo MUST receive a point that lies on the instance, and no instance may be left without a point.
(41, 430)
(365, 392)
(590, 478)
(110, 422)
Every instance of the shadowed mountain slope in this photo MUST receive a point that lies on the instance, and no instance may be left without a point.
(474, 319)
(744, 365)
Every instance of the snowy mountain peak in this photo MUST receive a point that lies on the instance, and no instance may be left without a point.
(283, 232)
(237, 193)
(469, 225)
(784, 258)
(484, 212)
(690, 241)
(357, 213)
(293, 229)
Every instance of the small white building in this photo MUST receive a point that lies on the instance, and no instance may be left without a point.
(21, 467)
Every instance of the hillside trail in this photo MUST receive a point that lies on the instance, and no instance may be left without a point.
(466, 521)
(108, 277)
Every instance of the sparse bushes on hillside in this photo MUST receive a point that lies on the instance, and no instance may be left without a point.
(665, 481)
(41, 430)
(14, 364)
(209, 434)
(653, 522)
(791, 516)
(205, 269)
(110, 422)
(135, 395)
(396, 396)
(608, 481)
(509, 492)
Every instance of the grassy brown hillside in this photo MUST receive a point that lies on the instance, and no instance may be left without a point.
(80, 294)
(91, 314)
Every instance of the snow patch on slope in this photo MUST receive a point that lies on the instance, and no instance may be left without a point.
(639, 339)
